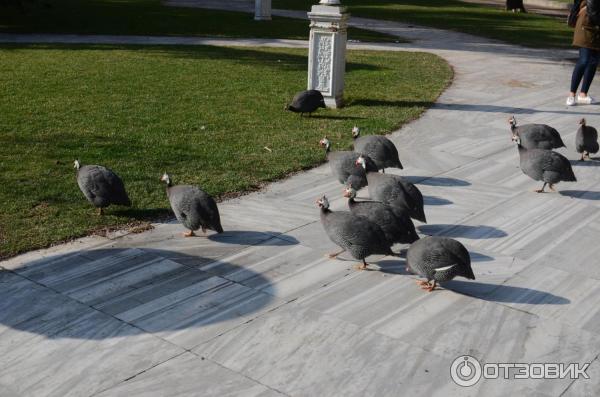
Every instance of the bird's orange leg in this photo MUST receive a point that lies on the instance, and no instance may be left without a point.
(334, 255)
(189, 234)
(362, 266)
(542, 189)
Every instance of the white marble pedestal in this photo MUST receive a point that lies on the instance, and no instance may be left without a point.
(262, 10)
(327, 51)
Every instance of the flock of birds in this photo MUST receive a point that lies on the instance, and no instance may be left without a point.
(370, 227)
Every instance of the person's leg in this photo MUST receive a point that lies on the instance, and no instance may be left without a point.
(590, 71)
(579, 70)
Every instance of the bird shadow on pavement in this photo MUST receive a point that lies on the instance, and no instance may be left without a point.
(477, 232)
(253, 237)
(587, 163)
(581, 194)
(433, 200)
(504, 293)
(436, 180)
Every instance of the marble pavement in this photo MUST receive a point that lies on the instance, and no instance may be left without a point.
(259, 310)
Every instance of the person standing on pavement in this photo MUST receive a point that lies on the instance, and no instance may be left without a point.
(585, 18)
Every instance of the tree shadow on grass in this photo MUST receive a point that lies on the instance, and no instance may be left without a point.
(332, 117)
(78, 294)
(280, 59)
(143, 214)
(380, 102)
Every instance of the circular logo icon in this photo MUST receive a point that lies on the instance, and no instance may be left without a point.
(465, 371)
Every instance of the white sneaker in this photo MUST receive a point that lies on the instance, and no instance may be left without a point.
(585, 100)
(570, 101)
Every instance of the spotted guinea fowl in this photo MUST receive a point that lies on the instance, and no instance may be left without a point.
(393, 221)
(193, 207)
(343, 166)
(438, 259)
(306, 102)
(101, 186)
(545, 165)
(535, 136)
(586, 140)
(355, 234)
(395, 191)
(381, 150)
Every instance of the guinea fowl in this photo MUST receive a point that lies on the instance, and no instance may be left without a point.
(343, 166)
(535, 136)
(438, 259)
(355, 234)
(393, 221)
(101, 186)
(545, 165)
(306, 102)
(193, 207)
(586, 141)
(395, 191)
(381, 150)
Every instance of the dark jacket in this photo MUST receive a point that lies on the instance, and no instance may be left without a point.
(587, 35)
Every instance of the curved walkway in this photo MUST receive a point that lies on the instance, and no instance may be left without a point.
(260, 311)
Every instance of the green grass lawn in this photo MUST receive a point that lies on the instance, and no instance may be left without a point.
(149, 17)
(526, 29)
(204, 114)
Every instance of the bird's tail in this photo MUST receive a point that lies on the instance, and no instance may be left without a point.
(469, 273)
(569, 175)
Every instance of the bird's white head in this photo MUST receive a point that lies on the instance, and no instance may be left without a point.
(325, 143)
(582, 121)
(349, 192)
(166, 179)
(355, 132)
(76, 164)
(323, 202)
(360, 161)
(516, 139)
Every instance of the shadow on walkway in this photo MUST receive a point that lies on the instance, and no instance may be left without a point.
(83, 294)
(581, 194)
(505, 293)
(478, 232)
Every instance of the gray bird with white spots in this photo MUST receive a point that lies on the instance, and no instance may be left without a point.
(193, 207)
(536, 136)
(545, 165)
(438, 259)
(393, 221)
(396, 191)
(355, 234)
(586, 140)
(343, 165)
(101, 186)
(306, 102)
(380, 149)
